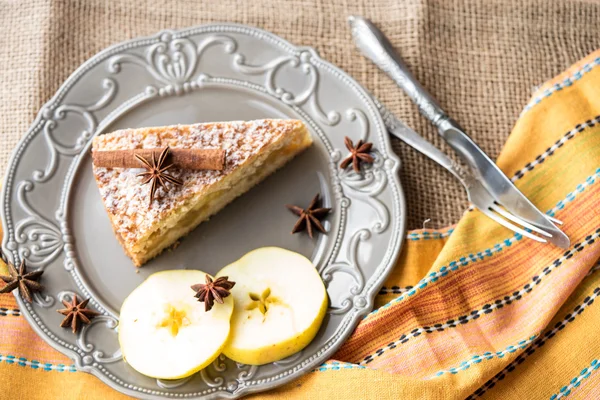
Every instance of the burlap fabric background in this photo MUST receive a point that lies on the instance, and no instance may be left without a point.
(480, 58)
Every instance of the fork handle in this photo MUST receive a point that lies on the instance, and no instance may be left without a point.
(374, 45)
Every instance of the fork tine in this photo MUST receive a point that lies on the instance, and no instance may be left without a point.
(517, 220)
(556, 221)
(511, 226)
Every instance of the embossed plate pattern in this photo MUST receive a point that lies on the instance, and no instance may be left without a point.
(53, 217)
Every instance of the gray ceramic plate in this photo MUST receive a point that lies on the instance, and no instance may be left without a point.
(53, 217)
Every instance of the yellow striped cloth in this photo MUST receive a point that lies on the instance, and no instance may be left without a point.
(469, 311)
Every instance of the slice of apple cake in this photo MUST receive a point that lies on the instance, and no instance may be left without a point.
(254, 149)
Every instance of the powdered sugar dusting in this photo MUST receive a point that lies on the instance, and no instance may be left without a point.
(128, 201)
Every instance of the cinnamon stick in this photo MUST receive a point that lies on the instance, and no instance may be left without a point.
(195, 159)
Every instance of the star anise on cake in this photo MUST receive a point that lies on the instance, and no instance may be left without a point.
(212, 291)
(309, 217)
(358, 154)
(26, 282)
(156, 173)
(76, 313)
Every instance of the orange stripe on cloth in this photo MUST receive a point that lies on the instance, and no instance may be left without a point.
(579, 203)
(418, 256)
(574, 316)
(463, 291)
(519, 320)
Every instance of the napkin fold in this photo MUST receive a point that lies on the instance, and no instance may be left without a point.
(469, 311)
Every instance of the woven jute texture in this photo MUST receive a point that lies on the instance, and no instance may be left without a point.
(481, 59)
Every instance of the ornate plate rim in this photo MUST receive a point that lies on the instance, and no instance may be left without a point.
(344, 330)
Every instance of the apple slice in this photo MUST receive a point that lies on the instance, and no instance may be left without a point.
(280, 302)
(164, 331)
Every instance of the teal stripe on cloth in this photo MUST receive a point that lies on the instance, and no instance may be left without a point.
(488, 355)
(428, 235)
(568, 81)
(337, 366)
(24, 362)
(576, 381)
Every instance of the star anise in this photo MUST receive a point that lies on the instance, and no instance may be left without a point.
(75, 313)
(157, 172)
(309, 217)
(358, 154)
(212, 291)
(26, 282)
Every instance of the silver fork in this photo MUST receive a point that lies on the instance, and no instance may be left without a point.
(478, 195)
(488, 188)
